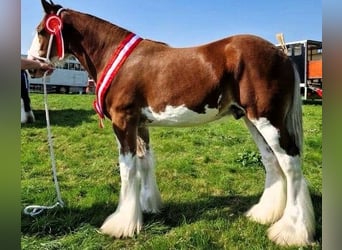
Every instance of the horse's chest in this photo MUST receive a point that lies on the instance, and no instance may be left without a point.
(178, 116)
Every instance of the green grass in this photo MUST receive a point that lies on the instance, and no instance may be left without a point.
(208, 177)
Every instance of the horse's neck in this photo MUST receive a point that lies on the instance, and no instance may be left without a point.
(95, 42)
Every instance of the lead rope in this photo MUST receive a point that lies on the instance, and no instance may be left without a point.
(37, 209)
(54, 26)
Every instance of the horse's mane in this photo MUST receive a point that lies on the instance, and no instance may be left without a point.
(94, 20)
(108, 26)
(161, 43)
(105, 25)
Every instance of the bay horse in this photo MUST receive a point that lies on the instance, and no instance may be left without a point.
(143, 83)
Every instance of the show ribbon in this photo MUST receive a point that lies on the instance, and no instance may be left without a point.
(54, 26)
(121, 53)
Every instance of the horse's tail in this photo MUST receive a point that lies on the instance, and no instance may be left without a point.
(294, 121)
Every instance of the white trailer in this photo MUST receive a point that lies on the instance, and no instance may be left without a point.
(68, 77)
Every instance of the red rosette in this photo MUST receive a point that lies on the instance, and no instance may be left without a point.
(53, 25)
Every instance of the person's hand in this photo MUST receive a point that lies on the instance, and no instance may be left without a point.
(39, 72)
(46, 67)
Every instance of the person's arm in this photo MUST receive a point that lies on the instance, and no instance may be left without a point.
(32, 64)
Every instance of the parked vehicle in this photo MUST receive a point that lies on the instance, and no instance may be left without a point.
(307, 55)
(68, 77)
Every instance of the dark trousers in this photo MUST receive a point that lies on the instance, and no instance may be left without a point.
(24, 91)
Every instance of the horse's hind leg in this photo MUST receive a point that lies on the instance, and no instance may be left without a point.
(272, 202)
(297, 224)
(150, 199)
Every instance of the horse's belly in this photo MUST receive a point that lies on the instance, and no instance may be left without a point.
(178, 116)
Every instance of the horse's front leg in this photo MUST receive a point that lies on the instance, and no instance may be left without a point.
(127, 218)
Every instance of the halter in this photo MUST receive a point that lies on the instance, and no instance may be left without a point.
(53, 25)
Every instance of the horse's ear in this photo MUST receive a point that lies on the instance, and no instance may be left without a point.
(48, 7)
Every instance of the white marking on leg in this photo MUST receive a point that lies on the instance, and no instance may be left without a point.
(23, 113)
(127, 218)
(297, 225)
(272, 202)
(150, 198)
(26, 116)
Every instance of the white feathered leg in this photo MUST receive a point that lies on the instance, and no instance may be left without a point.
(297, 225)
(272, 202)
(26, 116)
(150, 199)
(127, 218)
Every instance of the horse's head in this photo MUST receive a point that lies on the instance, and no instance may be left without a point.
(48, 43)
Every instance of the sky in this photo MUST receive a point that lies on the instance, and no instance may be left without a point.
(185, 23)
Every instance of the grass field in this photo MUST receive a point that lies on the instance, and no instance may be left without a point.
(208, 177)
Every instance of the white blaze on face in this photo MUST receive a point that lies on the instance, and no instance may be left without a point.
(179, 116)
(34, 49)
